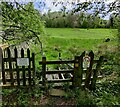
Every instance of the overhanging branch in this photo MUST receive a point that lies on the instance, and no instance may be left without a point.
(27, 38)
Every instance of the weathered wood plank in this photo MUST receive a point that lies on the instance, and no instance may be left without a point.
(89, 70)
(23, 68)
(10, 66)
(75, 70)
(20, 79)
(58, 62)
(29, 67)
(78, 70)
(33, 66)
(66, 80)
(59, 80)
(17, 68)
(63, 62)
(20, 69)
(59, 71)
(13, 59)
(44, 71)
(2, 66)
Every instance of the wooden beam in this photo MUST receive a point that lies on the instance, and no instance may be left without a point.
(59, 71)
(58, 62)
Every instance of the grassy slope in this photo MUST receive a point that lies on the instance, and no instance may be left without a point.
(67, 39)
(76, 33)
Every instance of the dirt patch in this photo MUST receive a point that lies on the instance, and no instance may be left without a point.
(51, 101)
(31, 97)
(61, 101)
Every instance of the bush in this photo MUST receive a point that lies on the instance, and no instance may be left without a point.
(21, 96)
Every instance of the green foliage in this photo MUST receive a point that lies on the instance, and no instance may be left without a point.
(20, 22)
(83, 14)
(111, 54)
(70, 42)
(81, 20)
(21, 96)
(107, 93)
(84, 98)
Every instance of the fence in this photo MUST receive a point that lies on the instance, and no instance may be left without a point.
(90, 74)
(17, 70)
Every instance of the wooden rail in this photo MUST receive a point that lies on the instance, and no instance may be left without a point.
(57, 62)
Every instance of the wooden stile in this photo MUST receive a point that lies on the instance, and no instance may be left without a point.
(76, 73)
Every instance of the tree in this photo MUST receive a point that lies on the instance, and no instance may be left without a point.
(21, 22)
(111, 21)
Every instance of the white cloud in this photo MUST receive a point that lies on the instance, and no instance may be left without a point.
(58, 4)
(68, 3)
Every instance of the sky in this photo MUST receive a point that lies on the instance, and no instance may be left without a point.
(54, 7)
(51, 5)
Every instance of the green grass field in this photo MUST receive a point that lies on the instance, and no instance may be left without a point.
(76, 33)
(74, 41)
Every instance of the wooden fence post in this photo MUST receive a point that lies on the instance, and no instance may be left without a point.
(74, 83)
(17, 67)
(59, 55)
(23, 68)
(29, 67)
(78, 71)
(10, 66)
(33, 65)
(2, 66)
(93, 82)
(89, 70)
(1, 60)
(44, 71)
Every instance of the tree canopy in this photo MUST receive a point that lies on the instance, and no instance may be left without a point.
(82, 14)
(21, 22)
